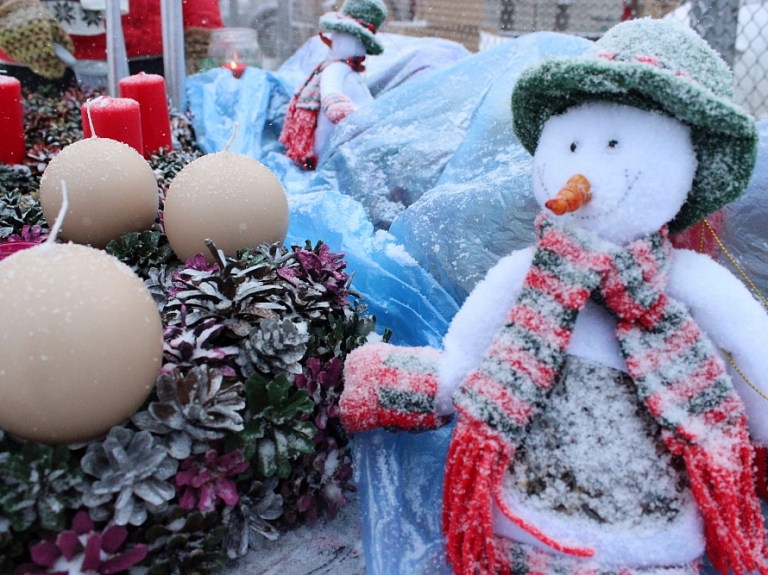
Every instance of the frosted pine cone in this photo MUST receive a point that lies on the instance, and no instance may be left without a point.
(275, 347)
(131, 477)
(193, 408)
(248, 520)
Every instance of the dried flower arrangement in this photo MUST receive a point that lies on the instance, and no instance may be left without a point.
(241, 437)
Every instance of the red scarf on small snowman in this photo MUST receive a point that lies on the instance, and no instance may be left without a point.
(679, 378)
(298, 133)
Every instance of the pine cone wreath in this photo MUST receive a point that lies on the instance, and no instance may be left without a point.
(27, 34)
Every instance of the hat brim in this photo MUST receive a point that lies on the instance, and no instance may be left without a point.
(332, 23)
(724, 136)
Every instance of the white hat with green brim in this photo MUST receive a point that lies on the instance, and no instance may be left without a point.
(361, 19)
(652, 65)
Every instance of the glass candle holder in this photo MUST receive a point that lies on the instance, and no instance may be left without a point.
(234, 48)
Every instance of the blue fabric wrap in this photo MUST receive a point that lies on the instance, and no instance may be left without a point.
(440, 133)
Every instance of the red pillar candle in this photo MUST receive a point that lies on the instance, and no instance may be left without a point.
(12, 147)
(149, 91)
(114, 118)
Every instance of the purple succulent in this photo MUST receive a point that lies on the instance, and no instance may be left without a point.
(32, 234)
(198, 263)
(203, 482)
(83, 550)
(324, 385)
(322, 268)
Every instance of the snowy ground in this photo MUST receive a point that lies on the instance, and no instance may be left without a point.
(328, 547)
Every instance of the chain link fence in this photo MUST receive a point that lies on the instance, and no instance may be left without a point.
(738, 29)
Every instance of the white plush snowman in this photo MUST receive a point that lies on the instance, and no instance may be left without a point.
(599, 429)
(336, 87)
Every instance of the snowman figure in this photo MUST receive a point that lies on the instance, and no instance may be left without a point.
(336, 87)
(599, 429)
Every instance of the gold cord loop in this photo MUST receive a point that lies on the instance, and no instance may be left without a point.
(751, 285)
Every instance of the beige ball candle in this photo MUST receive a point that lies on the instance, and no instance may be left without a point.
(80, 343)
(112, 191)
(230, 198)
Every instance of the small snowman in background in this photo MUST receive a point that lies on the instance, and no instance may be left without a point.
(599, 428)
(336, 87)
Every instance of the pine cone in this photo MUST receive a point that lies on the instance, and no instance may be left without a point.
(159, 284)
(248, 521)
(131, 472)
(192, 410)
(275, 347)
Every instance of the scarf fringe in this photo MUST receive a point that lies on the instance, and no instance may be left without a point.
(477, 460)
(725, 494)
(298, 135)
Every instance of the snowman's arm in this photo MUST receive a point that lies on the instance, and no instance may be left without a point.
(474, 326)
(335, 103)
(724, 309)
(411, 387)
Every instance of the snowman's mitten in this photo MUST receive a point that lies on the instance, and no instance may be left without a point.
(392, 387)
(337, 106)
(196, 41)
(27, 34)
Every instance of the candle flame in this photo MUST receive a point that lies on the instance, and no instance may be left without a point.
(233, 65)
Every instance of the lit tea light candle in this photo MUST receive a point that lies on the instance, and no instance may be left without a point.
(230, 198)
(12, 145)
(237, 68)
(114, 118)
(112, 191)
(149, 91)
(80, 343)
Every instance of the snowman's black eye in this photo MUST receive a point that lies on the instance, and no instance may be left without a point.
(613, 143)
(573, 147)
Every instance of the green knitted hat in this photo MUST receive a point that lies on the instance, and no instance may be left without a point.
(361, 18)
(652, 65)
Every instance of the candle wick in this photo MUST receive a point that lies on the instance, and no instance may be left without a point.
(232, 139)
(60, 218)
(88, 111)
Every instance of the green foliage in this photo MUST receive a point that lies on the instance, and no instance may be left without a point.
(142, 250)
(185, 543)
(37, 485)
(276, 434)
(18, 210)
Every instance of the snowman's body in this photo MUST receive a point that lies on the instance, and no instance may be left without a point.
(338, 78)
(592, 473)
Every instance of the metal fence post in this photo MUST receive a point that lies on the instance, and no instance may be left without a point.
(717, 21)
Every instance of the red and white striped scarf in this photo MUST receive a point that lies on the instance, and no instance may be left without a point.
(679, 377)
(298, 133)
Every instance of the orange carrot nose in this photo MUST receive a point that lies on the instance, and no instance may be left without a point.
(574, 194)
